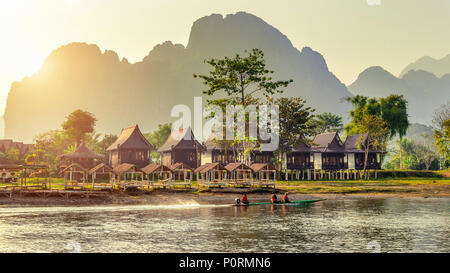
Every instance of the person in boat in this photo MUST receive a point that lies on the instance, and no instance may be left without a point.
(274, 199)
(244, 199)
(286, 198)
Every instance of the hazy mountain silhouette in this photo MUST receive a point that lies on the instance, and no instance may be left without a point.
(438, 67)
(120, 94)
(424, 91)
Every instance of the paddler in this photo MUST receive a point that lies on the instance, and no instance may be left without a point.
(244, 199)
(286, 198)
(274, 199)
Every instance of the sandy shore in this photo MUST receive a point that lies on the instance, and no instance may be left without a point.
(213, 196)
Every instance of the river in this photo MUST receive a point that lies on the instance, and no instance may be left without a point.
(345, 225)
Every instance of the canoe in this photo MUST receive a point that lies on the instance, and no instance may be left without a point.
(298, 202)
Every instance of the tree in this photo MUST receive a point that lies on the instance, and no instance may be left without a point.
(158, 137)
(294, 125)
(376, 130)
(78, 125)
(102, 145)
(441, 121)
(394, 112)
(238, 77)
(327, 122)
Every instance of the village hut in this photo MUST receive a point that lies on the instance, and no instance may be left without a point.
(182, 174)
(239, 174)
(102, 177)
(211, 174)
(157, 175)
(128, 176)
(300, 161)
(75, 177)
(219, 151)
(130, 147)
(181, 147)
(82, 156)
(329, 155)
(10, 173)
(263, 174)
(36, 176)
(355, 153)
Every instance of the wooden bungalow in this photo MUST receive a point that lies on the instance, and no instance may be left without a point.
(157, 175)
(329, 152)
(182, 175)
(239, 174)
(10, 173)
(181, 147)
(263, 174)
(128, 176)
(82, 156)
(263, 154)
(36, 176)
(355, 155)
(102, 177)
(218, 152)
(130, 147)
(75, 177)
(212, 174)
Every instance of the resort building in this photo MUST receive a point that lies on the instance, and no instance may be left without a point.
(181, 147)
(82, 156)
(355, 154)
(130, 147)
(328, 152)
(301, 158)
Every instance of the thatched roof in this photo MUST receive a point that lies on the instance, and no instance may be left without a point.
(101, 166)
(175, 140)
(234, 166)
(125, 167)
(209, 166)
(351, 143)
(10, 166)
(74, 167)
(327, 142)
(179, 166)
(256, 167)
(82, 151)
(131, 138)
(151, 168)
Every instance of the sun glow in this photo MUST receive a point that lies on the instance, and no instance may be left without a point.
(33, 65)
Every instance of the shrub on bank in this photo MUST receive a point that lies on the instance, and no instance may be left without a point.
(407, 173)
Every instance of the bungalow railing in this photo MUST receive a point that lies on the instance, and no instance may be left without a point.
(300, 165)
(335, 166)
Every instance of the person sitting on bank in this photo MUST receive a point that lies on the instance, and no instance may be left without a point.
(286, 198)
(244, 199)
(274, 199)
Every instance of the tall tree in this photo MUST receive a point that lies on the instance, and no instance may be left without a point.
(238, 77)
(294, 125)
(327, 122)
(78, 125)
(376, 130)
(441, 121)
(394, 112)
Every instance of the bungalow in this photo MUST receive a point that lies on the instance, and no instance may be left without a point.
(130, 147)
(354, 147)
(181, 147)
(82, 156)
(329, 152)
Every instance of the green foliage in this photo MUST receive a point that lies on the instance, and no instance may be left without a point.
(78, 125)
(158, 137)
(442, 138)
(415, 156)
(406, 174)
(238, 77)
(394, 112)
(104, 143)
(326, 122)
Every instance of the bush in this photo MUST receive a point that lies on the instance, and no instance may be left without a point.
(407, 173)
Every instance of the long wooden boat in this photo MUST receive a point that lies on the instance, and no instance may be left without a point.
(298, 202)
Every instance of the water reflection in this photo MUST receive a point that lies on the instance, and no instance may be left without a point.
(397, 225)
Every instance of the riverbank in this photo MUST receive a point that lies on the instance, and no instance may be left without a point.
(299, 190)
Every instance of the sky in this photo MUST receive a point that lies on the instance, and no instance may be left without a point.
(351, 34)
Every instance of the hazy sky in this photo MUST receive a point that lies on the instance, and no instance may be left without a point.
(351, 34)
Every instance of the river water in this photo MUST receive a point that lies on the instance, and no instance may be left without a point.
(350, 225)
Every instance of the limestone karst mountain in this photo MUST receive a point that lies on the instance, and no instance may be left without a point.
(438, 67)
(424, 91)
(119, 93)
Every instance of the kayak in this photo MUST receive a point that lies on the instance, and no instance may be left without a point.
(298, 202)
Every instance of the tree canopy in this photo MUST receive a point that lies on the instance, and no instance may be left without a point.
(78, 125)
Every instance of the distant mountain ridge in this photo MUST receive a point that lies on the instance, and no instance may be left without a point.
(423, 90)
(121, 94)
(438, 67)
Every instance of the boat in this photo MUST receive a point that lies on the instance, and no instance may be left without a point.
(298, 202)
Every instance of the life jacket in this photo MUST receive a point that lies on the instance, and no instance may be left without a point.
(274, 198)
(285, 198)
(244, 199)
